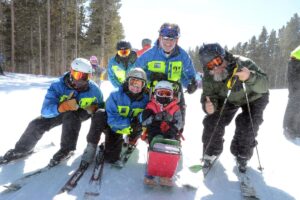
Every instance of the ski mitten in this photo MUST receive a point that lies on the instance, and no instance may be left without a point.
(68, 105)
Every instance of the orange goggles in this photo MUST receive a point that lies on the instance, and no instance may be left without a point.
(217, 61)
(80, 75)
(124, 52)
(164, 93)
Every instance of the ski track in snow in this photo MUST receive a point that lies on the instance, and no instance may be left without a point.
(21, 99)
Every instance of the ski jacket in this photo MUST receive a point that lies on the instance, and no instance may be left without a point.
(157, 118)
(121, 109)
(296, 53)
(117, 69)
(217, 91)
(177, 67)
(59, 92)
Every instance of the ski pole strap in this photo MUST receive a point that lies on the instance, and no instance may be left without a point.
(233, 78)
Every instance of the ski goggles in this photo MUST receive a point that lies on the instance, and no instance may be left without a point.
(164, 93)
(76, 75)
(124, 52)
(217, 61)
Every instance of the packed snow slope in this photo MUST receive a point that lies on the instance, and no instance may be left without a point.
(21, 97)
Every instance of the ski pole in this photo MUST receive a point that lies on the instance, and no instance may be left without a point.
(260, 168)
(218, 121)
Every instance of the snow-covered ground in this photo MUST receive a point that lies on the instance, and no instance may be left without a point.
(21, 98)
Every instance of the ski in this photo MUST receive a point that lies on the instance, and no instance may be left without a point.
(247, 190)
(95, 182)
(73, 180)
(22, 181)
(39, 148)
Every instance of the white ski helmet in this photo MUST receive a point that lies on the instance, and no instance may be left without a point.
(163, 92)
(164, 85)
(138, 73)
(82, 65)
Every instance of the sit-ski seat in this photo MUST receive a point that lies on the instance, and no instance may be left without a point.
(163, 157)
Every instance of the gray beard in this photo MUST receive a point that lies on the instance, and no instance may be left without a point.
(219, 77)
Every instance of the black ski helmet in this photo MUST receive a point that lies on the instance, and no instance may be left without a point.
(207, 52)
(121, 45)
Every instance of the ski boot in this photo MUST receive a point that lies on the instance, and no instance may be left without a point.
(89, 153)
(208, 163)
(242, 164)
(60, 156)
(117, 164)
(13, 154)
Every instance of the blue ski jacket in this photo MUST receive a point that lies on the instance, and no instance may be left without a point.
(121, 109)
(59, 92)
(117, 72)
(177, 67)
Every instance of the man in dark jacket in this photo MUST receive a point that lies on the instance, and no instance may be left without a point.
(226, 81)
(291, 122)
(70, 100)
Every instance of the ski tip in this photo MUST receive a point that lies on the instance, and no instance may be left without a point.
(11, 188)
(195, 168)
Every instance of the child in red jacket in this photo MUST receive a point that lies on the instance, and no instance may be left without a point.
(162, 116)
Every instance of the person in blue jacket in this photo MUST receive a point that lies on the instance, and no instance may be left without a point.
(121, 63)
(166, 60)
(121, 118)
(70, 100)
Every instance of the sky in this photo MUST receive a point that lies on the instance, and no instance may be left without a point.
(21, 99)
(204, 21)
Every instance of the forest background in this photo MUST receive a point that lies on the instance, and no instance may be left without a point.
(43, 36)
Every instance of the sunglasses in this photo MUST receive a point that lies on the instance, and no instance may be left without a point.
(214, 63)
(168, 39)
(80, 75)
(164, 93)
(124, 52)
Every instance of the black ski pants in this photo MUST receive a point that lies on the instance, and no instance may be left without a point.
(244, 137)
(71, 124)
(98, 125)
(291, 120)
(113, 141)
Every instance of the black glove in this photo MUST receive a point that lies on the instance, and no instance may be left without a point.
(172, 132)
(136, 128)
(238, 85)
(192, 86)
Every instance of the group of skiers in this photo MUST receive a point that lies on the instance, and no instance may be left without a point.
(149, 99)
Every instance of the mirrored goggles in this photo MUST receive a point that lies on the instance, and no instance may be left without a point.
(164, 93)
(76, 75)
(217, 61)
(136, 82)
(124, 52)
